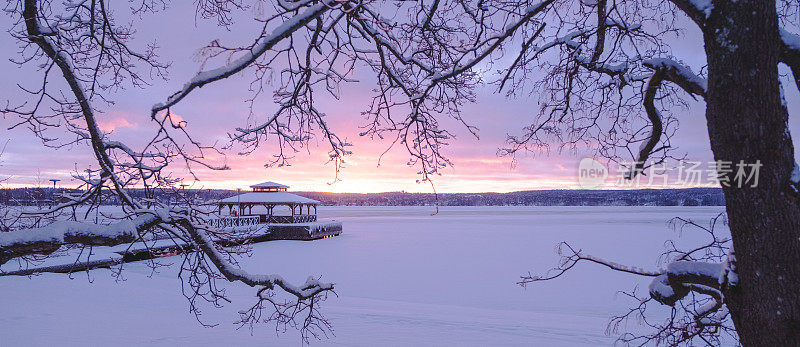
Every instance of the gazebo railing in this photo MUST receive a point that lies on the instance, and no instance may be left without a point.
(299, 218)
(226, 222)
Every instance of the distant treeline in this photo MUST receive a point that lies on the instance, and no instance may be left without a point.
(642, 197)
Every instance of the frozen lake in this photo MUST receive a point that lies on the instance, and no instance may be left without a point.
(403, 277)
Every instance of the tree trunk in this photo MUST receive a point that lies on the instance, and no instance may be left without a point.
(747, 121)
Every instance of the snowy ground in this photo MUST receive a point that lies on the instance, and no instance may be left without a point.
(403, 277)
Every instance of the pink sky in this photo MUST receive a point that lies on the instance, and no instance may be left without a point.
(215, 110)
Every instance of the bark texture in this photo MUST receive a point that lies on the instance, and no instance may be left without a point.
(747, 121)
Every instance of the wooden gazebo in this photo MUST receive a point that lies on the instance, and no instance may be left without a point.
(263, 200)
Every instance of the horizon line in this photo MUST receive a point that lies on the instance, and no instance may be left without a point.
(604, 189)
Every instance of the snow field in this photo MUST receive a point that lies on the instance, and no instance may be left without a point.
(403, 277)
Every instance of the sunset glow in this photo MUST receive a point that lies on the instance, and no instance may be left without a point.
(210, 114)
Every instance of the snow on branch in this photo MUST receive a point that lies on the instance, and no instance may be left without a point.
(571, 257)
(697, 10)
(263, 45)
(790, 40)
(47, 239)
(302, 313)
(668, 287)
(671, 286)
(232, 273)
(704, 6)
(790, 54)
(679, 74)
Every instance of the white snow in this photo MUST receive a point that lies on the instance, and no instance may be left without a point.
(618, 68)
(660, 288)
(791, 40)
(269, 184)
(704, 6)
(679, 268)
(403, 277)
(269, 197)
(729, 274)
(680, 69)
(58, 230)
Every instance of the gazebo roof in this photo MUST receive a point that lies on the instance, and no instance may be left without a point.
(269, 185)
(268, 198)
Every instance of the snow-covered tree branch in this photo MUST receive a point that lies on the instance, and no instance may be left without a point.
(693, 283)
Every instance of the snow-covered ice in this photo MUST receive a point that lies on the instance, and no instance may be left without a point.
(403, 277)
